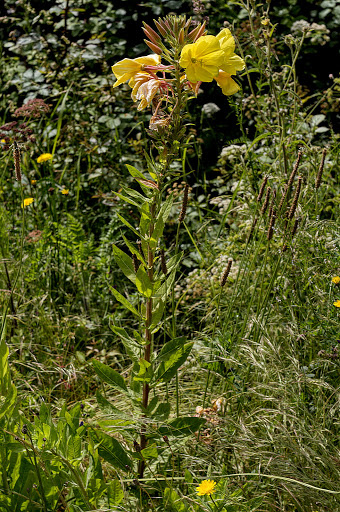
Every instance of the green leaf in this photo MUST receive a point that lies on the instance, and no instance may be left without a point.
(135, 173)
(150, 452)
(127, 199)
(134, 250)
(109, 375)
(182, 426)
(145, 371)
(106, 405)
(143, 283)
(157, 314)
(115, 492)
(132, 347)
(124, 301)
(162, 412)
(125, 263)
(112, 451)
(173, 354)
(172, 501)
(129, 226)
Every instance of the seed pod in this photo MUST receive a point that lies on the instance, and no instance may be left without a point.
(184, 203)
(163, 263)
(263, 185)
(266, 201)
(296, 198)
(135, 262)
(320, 171)
(17, 166)
(226, 272)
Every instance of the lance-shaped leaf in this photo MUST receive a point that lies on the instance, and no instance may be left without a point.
(173, 354)
(182, 426)
(132, 347)
(124, 301)
(145, 371)
(143, 283)
(134, 250)
(124, 262)
(112, 451)
(130, 227)
(161, 219)
(135, 173)
(109, 375)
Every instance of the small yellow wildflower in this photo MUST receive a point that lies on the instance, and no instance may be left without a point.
(3, 141)
(44, 157)
(27, 202)
(202, 60)
(206, 488)
(336, 303)
(65, 191)
(127, 68)
(336, 280)
(33, 182)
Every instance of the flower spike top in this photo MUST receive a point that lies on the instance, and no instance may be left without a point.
(183, 58)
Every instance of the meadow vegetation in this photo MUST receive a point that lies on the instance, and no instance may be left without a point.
(169, 236)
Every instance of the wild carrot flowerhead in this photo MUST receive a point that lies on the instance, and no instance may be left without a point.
(206, 488)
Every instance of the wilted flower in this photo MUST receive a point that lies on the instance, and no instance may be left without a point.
(127, 68)
(44, 157)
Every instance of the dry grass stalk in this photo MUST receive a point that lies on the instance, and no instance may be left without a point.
(266, 201)
(263, 186)
(271, 226)
(320, 171)
(252, 229)
(226, 272)
(17, 166)
(296, 198)
(184, 203)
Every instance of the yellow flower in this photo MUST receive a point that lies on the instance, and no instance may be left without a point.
(3, 141)
(27, 202)
(202, 60)
(65, 191)
(33, 182)
(44, 157)
(336, 280)
(128, 68)
(336, 303)
(231, 61)
(227, 84)
(206, 488)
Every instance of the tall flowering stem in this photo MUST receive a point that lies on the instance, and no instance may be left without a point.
(183, 57)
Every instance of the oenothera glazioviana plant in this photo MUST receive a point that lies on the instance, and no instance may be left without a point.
(183, 57)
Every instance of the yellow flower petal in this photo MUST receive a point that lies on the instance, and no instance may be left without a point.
(233, 64)
(227, 84)
(336, 280)
(227, 42)
(336, 303)
(128, 68)
(27, 202)
(202, 60)
(44, 157)
(206, 488)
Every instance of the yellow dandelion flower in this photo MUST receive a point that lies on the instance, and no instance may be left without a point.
(27, 202)
(65, 191)
(33, 182)
(336, 303)
(202, 59)
(206, 488)
(44, 157)
(127, 68)
(336, 280)
(3, 141)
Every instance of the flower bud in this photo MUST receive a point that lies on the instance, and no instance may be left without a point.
(181, 36)
(156, 49)
(160, 26)
(150, 33)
